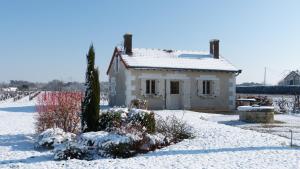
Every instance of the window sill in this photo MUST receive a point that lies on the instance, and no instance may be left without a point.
(152, 96)
(207, 96)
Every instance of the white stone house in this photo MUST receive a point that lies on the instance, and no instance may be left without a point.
(293, 78)
(172, 79)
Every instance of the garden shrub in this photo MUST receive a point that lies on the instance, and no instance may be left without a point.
(58, 109)
(139, 104)
(71, 151)
(53, 137)
(109, 120)
(120, 150)
(144, 118)
(174, 129)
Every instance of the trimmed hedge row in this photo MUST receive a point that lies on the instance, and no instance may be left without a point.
(289, 90)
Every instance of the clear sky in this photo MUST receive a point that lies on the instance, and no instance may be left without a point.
(45, 40)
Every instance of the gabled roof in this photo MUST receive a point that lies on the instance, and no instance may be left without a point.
(293, 73)
(142, 58)
(176, 59)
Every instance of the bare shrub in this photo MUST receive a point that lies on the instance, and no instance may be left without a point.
(282, 104)
(139, 104)
(173, 128)
(59, 109)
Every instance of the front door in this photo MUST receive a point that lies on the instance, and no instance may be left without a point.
(173, 94)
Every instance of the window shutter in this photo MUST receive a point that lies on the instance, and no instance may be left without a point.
(200, 87)
(143, 86)
(216, 87)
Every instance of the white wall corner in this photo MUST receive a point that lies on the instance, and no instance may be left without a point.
(128, 86)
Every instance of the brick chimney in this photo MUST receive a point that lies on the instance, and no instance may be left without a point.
(214, 48)
(128, 43)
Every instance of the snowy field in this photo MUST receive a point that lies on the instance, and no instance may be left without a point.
(215, 145)
(282, 127)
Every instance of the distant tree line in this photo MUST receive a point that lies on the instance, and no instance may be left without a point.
(288, 90)
(250, 84)
(54, 85)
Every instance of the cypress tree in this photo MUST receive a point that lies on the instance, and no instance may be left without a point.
(90, 104)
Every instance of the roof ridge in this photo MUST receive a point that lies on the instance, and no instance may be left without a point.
(176, 50)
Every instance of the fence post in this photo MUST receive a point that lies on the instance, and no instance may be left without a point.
(291, 137)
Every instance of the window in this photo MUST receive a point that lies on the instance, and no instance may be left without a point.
(150, 87)
(174, 87)
(207, 87)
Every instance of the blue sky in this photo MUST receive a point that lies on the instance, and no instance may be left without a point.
(45, 40)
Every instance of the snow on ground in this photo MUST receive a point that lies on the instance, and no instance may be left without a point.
(215, 146)
(284, 123)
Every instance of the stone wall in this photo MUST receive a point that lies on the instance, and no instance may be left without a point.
(257, 116)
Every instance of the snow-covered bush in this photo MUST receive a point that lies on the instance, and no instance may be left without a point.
(70, 150)
(125, 133)
(120, 150)
(59, 109)
(151, 142)
(109, 144)
(117, 118)
(116, 145)
(53, 137)
(100, 138)
(142, 117)
(112, 118)
(174, 129)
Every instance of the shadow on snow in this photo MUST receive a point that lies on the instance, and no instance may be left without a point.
(18, 142)
(24, 109)
(21, 142)
(221, 150)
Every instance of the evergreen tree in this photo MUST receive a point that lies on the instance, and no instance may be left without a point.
(90, 104)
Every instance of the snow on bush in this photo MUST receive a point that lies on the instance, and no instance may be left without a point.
(101, 138)
(71, 150)
(109, 144)
(153, 141)
(124, 134)
(142, 117)
(115, 145)
(117, 118)
(112, 118)
(53, 137)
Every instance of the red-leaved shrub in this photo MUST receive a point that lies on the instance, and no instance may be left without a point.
(59, 109)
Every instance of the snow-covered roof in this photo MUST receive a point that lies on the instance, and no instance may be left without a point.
(176, 59)
(255, 108)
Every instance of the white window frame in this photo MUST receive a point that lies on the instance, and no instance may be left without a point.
(207, 87)
(151, 87)
(214, 86)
